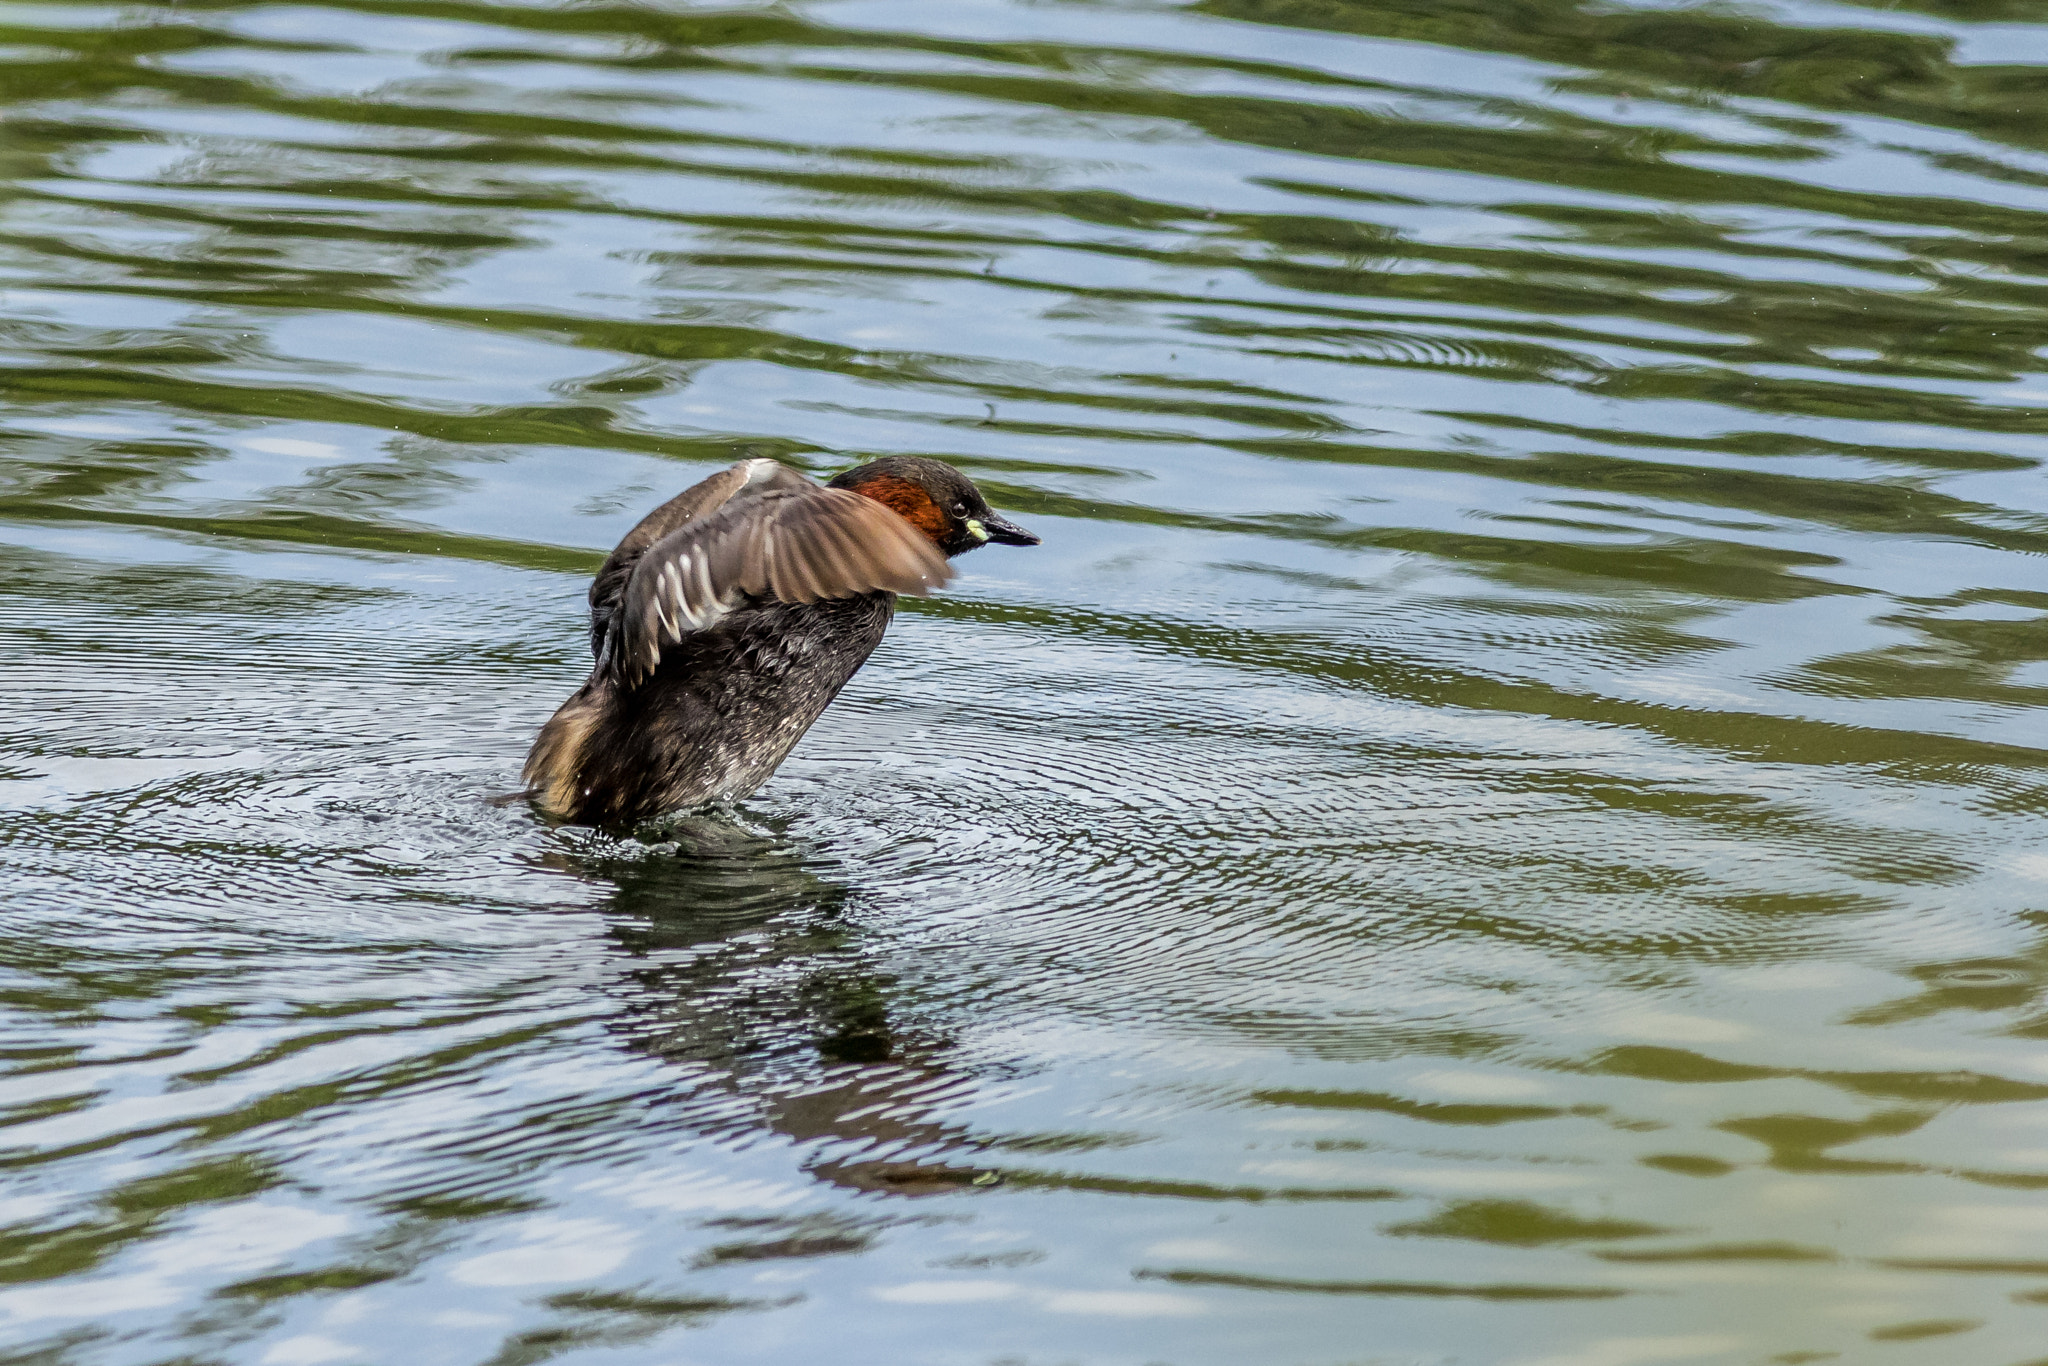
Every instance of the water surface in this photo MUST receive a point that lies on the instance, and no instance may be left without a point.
(1502, 825)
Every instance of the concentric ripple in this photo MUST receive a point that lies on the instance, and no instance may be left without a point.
(1502, 824)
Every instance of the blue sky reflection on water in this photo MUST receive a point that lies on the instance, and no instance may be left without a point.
(1502, 825)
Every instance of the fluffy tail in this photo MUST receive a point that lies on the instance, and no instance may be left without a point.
(554, 767)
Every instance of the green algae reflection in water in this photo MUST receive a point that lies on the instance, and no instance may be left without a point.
(1503, 824)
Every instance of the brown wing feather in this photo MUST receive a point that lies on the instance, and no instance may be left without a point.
(695, 503)
(796, 545)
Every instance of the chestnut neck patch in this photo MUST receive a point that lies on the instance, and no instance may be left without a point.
(908, 501)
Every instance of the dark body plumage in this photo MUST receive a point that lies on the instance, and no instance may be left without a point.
(731, 616)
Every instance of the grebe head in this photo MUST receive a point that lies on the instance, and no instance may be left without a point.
(936, 499)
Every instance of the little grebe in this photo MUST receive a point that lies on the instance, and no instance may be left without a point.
(731, 616)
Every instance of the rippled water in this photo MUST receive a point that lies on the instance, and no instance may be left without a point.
(1502, 825)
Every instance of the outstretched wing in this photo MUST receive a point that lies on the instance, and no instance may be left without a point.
(744, 481)
(793, 544)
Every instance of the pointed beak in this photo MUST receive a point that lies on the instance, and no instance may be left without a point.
(1002, 530)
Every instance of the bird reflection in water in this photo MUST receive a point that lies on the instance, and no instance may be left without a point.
(745, 963)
